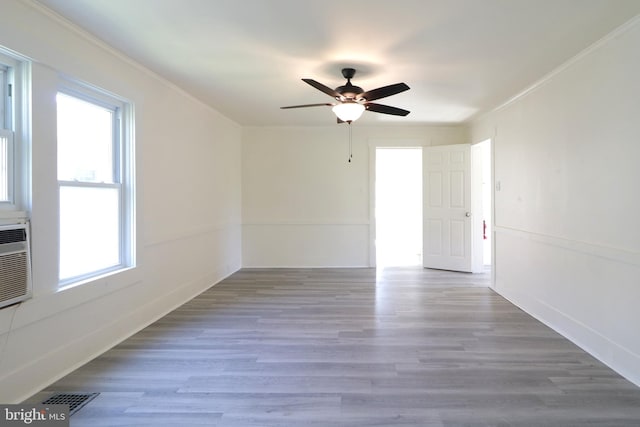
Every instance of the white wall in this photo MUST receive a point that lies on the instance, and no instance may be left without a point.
(567, 237)
(303, 204)
(567, 244)
(188, 208)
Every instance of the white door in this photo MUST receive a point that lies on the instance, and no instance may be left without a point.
(447, 207)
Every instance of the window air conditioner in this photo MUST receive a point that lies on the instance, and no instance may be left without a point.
(15, 264)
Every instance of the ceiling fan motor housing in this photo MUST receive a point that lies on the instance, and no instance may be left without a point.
(348, 73)
(349, 92)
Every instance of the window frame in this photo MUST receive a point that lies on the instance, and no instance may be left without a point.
(122, 170)
(6, 105)
(13, 117)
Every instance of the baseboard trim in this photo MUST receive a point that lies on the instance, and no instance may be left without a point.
(55, 364)
(615, 356)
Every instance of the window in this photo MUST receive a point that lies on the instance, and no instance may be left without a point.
(6, 173)
(94, 181)
(6, 131)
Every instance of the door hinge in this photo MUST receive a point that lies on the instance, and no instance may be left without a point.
(10, 89)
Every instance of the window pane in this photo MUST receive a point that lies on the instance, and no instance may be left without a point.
(4, 167)
(4, 101)
(89, 230)
(85, 141)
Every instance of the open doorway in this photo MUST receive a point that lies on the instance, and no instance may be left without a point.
(482, 203)
(487, 203)
(397, 220)
(398, 206)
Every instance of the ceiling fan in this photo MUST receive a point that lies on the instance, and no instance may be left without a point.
(353, 100)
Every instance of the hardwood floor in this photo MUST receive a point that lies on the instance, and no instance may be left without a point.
(349, 347)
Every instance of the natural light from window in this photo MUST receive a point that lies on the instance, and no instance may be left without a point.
(89, 193)
(4, 167)
(85, 141)
(6, 135)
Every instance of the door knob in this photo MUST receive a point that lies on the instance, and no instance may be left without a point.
(467, 214)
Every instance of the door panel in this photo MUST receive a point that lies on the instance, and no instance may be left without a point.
(457, 189)
(435, 230)
(457, 238)
(447, 207)
(435, 189)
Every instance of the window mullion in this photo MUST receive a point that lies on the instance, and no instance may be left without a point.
(116, 185)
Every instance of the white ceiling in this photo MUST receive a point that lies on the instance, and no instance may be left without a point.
(246, 58)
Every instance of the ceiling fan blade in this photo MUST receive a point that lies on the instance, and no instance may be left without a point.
(322, 88)
(307, 105)
(385, 109)
(384, 91)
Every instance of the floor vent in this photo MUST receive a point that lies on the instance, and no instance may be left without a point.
(75, 400)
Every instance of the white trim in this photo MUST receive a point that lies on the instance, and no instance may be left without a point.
(549, 76)
(338, 222)
(85, 35)
(83, 184)
(612, 354)
(90, 93)
(49, 367)
(398, 143)
(592, 249)
(122, 176)
(308, 266)
(18, 120)
(194, 232)
(5, 104)
(5, 52)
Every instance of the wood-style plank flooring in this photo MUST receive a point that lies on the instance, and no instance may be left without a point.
(350, 347)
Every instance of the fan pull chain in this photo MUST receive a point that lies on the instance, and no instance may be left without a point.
(350, 142)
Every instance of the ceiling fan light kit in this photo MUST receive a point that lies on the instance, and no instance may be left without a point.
(348, 111)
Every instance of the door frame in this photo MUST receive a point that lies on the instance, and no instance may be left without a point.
(477, 202)
(374, 143)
